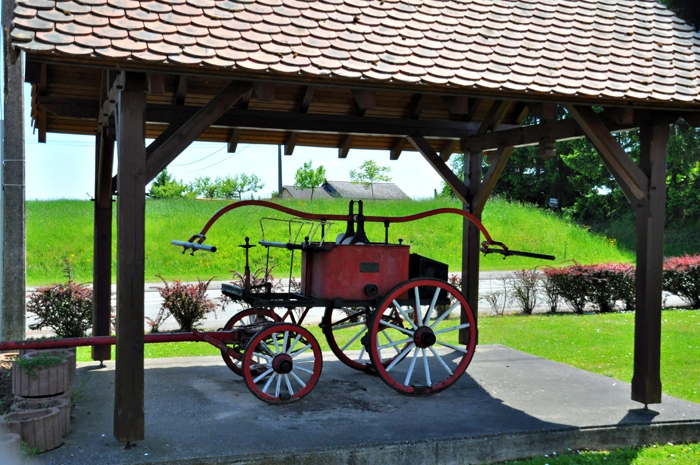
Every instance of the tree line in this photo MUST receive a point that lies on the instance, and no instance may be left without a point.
(583, 187)
(165, 186)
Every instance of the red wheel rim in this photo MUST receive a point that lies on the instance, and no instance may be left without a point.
(233, 363)
(423, 360)
(362, 362)
(292, 342)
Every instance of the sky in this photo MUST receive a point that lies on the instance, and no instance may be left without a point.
(63, 167)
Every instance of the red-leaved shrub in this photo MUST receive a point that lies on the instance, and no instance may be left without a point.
(65, 308)
(187, 303)
(681, 276)
(602, 285)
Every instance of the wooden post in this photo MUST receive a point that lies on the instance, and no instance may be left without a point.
(470, 240)
(131, 203)
(646, 380)
(102, 252)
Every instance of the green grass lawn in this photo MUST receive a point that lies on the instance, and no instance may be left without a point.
(61, 229)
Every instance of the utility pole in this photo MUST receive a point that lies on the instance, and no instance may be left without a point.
(279, 171)
(13, 262)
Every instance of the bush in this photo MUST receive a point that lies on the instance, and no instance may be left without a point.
(602, 285)
(569, 285)
(681, 276)
(65, 308)
(524, 284)
(187, 303)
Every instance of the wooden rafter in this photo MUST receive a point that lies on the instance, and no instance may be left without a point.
(264, 91)
(345, 146)
(397, 148)
(457, 105)
(233, 140)
(180, 90)
(304, 105)
(365, 100)
(189, 131)
(156, 83)
(448, 149)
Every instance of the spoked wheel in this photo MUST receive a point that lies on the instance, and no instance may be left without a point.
(282, 363)
(251, 317)
(354, 320)
(429, 357)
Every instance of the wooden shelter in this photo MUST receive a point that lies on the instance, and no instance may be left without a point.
(442, 77)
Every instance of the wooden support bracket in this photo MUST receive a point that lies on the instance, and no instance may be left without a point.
(459, 188)
(629, 176)
(193, 127)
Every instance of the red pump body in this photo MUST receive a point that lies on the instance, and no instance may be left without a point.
(345, 271)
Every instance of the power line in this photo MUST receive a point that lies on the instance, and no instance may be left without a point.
(206, 167)
(197, 161)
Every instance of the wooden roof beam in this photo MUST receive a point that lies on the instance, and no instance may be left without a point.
(291, 141)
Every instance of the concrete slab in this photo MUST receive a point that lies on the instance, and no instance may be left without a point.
(508, 405)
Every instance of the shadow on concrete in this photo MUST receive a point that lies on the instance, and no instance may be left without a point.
(508, 405)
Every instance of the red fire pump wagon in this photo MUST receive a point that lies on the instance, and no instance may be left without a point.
(384, 309)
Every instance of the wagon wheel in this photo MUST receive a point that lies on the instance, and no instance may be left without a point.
(430, 359)
(247, 317)
(355, 320)
(285, 364)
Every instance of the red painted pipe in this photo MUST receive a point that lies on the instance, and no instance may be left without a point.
(317, 216)
(194, 336)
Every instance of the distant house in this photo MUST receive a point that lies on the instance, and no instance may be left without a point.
(346, 190)
(293, 192)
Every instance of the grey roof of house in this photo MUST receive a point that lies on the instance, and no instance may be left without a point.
(382, 190)
(305, 194)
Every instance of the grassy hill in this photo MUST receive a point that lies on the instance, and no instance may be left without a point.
(63, 229)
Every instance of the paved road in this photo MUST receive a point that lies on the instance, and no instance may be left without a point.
(489, 283)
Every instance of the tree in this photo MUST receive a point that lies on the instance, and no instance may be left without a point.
(167, 187)
(242, 183)
(206, 187)
(308, 178)
(689, 10)
(369, 173)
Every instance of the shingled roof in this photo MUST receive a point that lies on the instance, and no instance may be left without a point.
(635, 50)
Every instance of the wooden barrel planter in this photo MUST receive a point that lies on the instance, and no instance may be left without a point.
(43, 381)
(40, 429)
(60, 402)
